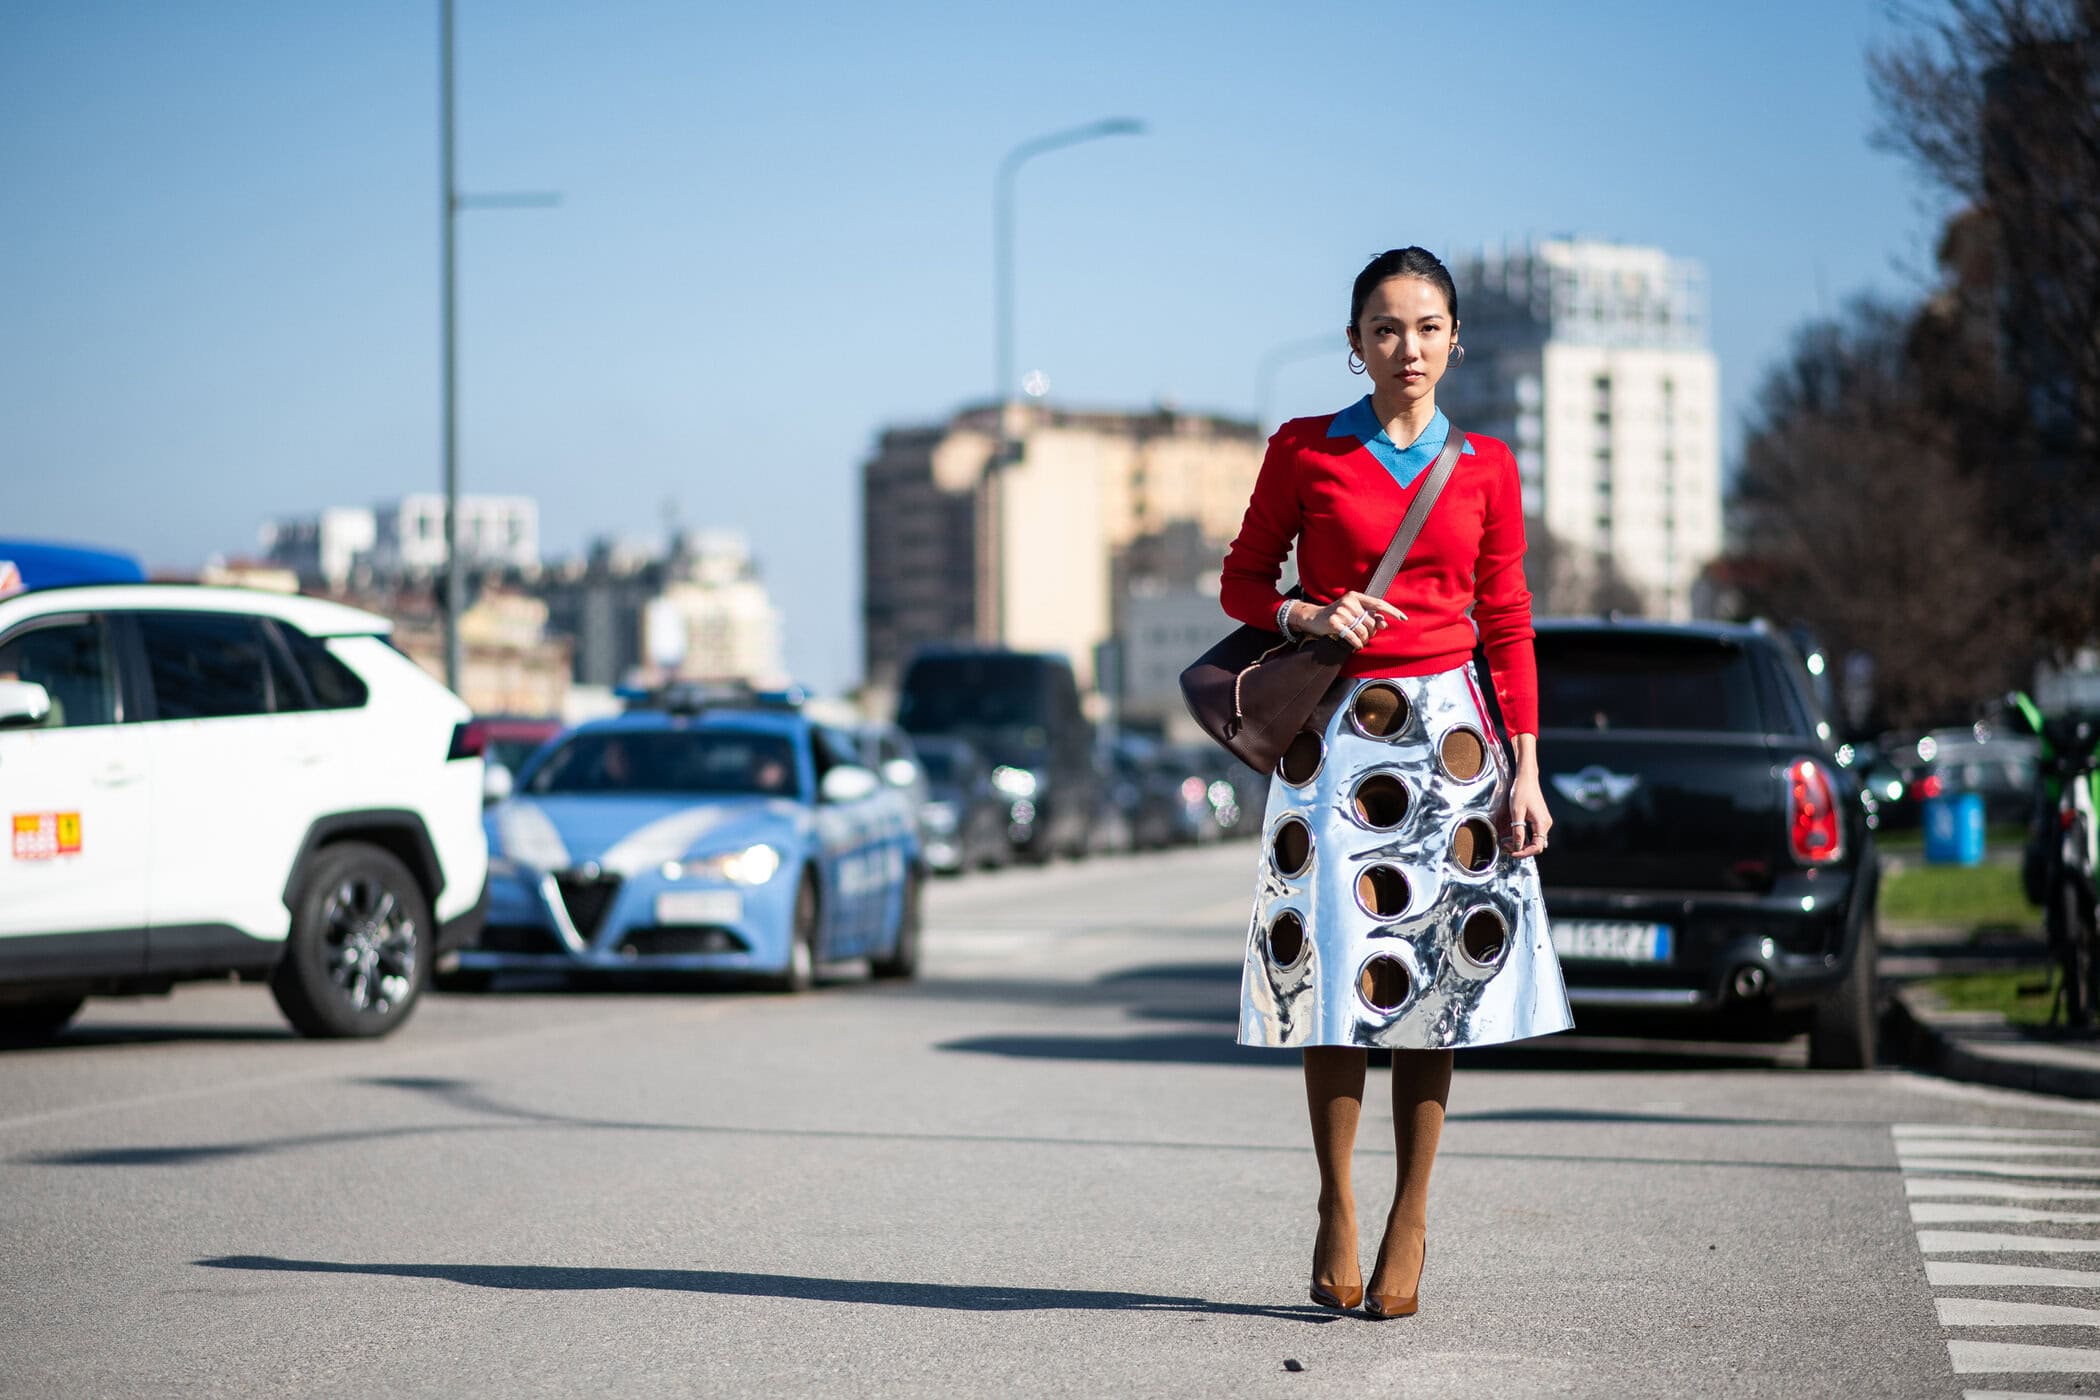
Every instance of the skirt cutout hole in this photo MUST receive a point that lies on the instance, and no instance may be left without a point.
(1291, 848)
(1382, 891)
(1473, 845)
(1380, 801)
(1286, 939)
(1301, 760)
(1464, 753)
(1384, 983)
(1484, 938)
(1379, 711)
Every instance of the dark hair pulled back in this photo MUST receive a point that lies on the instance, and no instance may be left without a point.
(1401, 262)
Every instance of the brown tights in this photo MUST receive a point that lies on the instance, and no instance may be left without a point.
(1334, 1092)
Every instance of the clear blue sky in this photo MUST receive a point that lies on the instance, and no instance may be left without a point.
(219, 249)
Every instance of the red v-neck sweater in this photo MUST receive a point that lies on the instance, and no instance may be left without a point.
(1341, 506)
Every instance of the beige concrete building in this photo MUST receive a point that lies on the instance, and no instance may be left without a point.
(1024, 554)
(512, 666)
(713, 619)
(1591, 360)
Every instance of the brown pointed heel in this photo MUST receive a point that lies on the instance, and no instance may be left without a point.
(1384, 1306)
(1340, 1299)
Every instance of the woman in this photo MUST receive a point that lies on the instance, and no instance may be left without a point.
(1385, 914)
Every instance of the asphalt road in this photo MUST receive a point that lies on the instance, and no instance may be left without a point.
(1042, 1170)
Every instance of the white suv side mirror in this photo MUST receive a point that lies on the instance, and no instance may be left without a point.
(848, 783)
(23, 703)
(496, 783)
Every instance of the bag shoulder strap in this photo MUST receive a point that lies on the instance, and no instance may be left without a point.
(1411, 524)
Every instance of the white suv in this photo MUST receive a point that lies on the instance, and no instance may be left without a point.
(203, 781)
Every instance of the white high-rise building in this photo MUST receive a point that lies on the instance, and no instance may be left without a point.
(325, 547)
(1591, 360)
(714, 619)
(404, 538)
(493, 530)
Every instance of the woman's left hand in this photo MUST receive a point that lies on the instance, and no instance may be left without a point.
(1529, 821)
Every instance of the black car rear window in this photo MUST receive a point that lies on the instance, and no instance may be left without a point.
(334, 685)
(1602, 680)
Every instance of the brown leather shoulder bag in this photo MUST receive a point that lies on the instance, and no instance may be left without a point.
(1254, 691)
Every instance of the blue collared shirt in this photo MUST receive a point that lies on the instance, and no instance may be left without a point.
(1360, 421)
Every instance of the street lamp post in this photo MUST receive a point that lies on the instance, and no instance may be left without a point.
(1003, 241)
(453, 203)
(990, 606)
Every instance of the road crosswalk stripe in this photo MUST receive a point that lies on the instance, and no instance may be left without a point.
(1999, 1312)
(1968, 1212)
(2028, 1169)
(1921, 1147)
(1984, 1242)
(1945, 1273)
(2003, 1190)
(1952, 1130)
(1973, 1357)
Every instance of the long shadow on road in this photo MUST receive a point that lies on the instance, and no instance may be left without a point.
(956, 1297)
(492, 1115)
(1202, 1000)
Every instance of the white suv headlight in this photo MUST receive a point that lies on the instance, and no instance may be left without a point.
(754, 865)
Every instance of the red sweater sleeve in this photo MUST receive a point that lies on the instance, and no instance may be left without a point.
(1247, 587)
(1502, 603)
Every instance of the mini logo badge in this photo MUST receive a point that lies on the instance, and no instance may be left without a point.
(1596, 787)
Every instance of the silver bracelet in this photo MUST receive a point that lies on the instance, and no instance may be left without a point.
(1283, 618)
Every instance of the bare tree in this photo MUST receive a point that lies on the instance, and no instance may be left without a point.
(1860, 521)
(1997, 104)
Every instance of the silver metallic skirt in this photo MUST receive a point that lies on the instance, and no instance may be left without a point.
(1388, 913)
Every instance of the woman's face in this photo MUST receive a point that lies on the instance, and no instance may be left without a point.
(1404, 336)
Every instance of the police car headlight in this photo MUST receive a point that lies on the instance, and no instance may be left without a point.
(754, 865)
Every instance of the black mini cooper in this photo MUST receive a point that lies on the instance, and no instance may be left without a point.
(1710, 857)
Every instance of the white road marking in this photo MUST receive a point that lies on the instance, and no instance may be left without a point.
(1951, 1130)
(1972, 1357)
(2018, 1395)
(1934, 1213)
(2034, 1169)
(1940, 1186)
(1982, 1242)
(1996, 1312)
(1986, 1097)
(1941, 1273)
(1920, 1148)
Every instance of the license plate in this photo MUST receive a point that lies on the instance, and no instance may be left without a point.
(1611, 940)
(699, 907)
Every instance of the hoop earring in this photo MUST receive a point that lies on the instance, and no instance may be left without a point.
(1458, 354)
(1356, 363)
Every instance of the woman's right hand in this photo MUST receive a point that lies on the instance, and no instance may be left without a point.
(1353, 617)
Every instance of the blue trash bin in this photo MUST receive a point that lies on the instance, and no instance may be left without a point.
(1954, 829)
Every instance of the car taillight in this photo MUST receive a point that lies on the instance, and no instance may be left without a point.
(469, 740)
(1931, 785)
(1814, 830)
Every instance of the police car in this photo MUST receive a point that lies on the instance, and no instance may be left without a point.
(701, 832)
(202, 781)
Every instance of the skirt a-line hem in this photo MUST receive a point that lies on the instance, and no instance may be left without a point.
(1387, 912)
